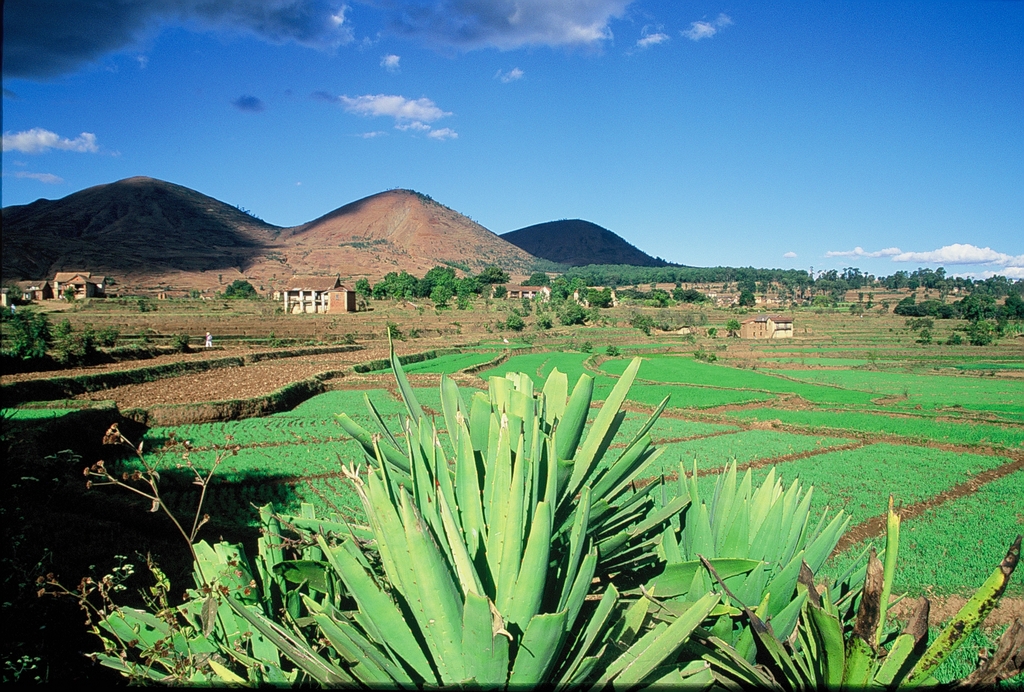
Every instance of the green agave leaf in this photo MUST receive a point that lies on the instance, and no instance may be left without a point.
(538, 649)
(404, 388)
(439, 603)
(651, 651)
(596, 626)
(556, 390)
(486, 651)
(529, 588)
(390, 627)
(572, 422)
(293, 647)
(364, 438)
(676, 579)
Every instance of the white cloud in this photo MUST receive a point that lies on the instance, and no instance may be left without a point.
(398, 107)
(513, 75)
(414, 125)
(37, 140)
(506, 24)
(859, 252)
(1008, 272)
(648, 39)
(48, 178)
(790, 255)
(958, 253)
(701, 30)
(371, 135)
(443, 133)
(143, 61)
(390, 62)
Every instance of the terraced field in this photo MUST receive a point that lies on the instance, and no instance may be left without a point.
(855, 412)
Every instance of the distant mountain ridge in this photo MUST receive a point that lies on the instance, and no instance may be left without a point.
(577, 243)
(156, 235)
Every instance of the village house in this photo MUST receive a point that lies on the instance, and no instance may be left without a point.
(767, 327)
(82, 284)
(317, 294)
(529, 292)
(35, 290)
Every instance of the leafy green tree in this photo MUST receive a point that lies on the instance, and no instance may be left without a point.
(600, 298)
(537, 279)
(572, 313)
(492, 275)
(500, 291)
(1013, 308)
(468, 286)
(733, 327)
(240, 288)
(689, 295)
(441, 294)
(544, 322)
(747, 299)
(980, 333)
(977, 306)
(30, 334)
(363, 287)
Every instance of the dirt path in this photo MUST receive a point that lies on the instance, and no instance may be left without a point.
(876, 525)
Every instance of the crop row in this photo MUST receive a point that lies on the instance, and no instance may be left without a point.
(928, 391)
(912, 427)
(676, 369)
(935, 559)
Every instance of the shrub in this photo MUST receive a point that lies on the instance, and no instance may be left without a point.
(108, 337)
(30, 334)
(179, 342)
(515, 322)
(980, 333)
(572, 313)
(705, 355)
(544, 321)
(71, 348)
(394, 332)
(644, 323)
(240, 288)
(612, 350)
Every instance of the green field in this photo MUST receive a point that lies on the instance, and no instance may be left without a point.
(913, 427)
(294, 457)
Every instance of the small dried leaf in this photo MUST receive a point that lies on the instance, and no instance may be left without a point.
(209, 615)
(155, 506)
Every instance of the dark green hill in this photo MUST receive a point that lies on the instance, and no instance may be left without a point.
(577, 243)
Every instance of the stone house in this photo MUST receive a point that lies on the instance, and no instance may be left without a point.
(82, 283)
(529, 292)
(317, 294)
(35, 290)
(767, 327)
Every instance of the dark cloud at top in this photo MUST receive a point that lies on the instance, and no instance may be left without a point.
(504, 24)
(47, 39)
(250, 104)
(44, 39)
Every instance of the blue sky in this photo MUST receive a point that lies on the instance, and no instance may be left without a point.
(877, 135)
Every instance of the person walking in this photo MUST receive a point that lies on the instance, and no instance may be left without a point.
(209, 340)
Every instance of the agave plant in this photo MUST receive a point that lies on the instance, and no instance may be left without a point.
(487, 559)
(826, 652)
(757, 540)
(487, 565)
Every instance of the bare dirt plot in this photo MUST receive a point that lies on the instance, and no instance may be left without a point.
(228, 383)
